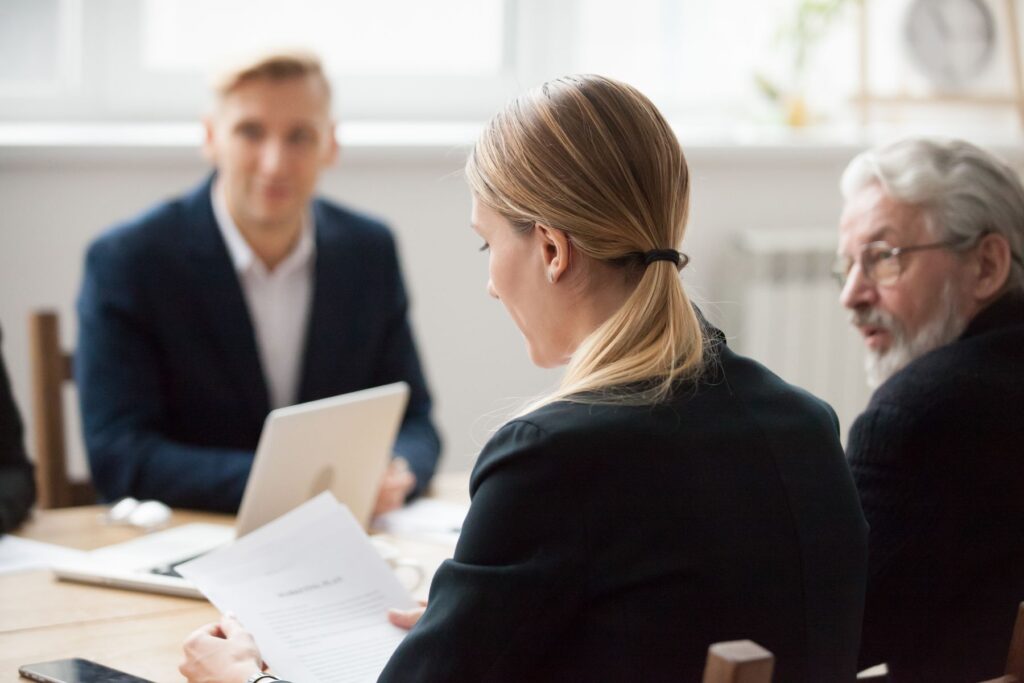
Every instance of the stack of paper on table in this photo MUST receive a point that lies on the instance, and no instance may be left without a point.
(313, 592)
(24, 554)
(425, 518)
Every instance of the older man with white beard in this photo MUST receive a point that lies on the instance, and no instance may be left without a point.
(929, 261)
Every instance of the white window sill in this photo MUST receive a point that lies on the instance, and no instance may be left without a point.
(439, 141)
(169, 141)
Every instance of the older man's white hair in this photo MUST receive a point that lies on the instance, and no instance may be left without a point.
(965, 191)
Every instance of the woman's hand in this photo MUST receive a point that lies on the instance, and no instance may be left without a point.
(407, 618)
(219, 653)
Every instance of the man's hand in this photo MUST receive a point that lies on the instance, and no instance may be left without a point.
(220, 652)
(398, 482)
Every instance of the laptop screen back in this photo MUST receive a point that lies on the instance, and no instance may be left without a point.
(340, 444)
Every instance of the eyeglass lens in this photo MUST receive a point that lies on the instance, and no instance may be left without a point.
(879, 261)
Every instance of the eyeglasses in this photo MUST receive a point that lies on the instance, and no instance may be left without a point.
(880, 262)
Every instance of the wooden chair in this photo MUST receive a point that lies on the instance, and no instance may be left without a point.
(1015, 658)
(51, 368)
(738, 661)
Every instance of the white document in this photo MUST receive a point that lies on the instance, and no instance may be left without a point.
(23, 554)
(434, 520)
(164, 547)
(313, 592)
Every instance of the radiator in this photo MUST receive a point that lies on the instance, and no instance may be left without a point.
(791, 321)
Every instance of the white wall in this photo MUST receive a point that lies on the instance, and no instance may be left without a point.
(54, 201)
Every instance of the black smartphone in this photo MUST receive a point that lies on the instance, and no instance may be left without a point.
(76, 671)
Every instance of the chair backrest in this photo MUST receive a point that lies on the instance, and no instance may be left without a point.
(1015, 658)
(738, 661)
(51, 368)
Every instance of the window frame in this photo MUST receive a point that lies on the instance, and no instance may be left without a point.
(102, 78)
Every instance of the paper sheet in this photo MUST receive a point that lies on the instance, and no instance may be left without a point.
(313, 592)
(23, 554)
(163, 547)
(434, 520)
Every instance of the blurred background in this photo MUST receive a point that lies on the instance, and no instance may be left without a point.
(100, 102)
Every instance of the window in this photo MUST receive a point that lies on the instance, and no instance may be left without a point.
(380, 38)
(388, 58)
(147, 60)
(704, 60)
(38, 47)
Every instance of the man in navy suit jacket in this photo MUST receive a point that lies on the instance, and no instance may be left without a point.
(246, 294)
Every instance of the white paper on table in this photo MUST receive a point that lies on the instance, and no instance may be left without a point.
(435, 520)
(164, 547)
(313, 592)
(24, 554)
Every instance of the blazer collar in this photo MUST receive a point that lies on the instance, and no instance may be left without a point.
(201, 234)
(218, 298)
(328, 336)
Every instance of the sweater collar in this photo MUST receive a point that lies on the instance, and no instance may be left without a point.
(1005, 311)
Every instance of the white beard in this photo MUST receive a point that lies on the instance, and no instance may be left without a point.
(944, 328)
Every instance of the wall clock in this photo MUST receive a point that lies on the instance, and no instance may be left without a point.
(950, 43)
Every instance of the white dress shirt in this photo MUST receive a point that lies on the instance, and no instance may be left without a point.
(278, 301)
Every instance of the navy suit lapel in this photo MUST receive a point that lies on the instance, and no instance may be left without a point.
(328, 336)
(218, 297)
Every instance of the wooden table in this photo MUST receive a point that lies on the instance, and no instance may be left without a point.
(140, 633)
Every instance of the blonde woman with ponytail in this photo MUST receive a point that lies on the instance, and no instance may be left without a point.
(669, 494)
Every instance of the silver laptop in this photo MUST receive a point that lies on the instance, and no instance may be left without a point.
(340, 444)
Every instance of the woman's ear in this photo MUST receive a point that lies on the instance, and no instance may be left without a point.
(556, 249)
(991, 267)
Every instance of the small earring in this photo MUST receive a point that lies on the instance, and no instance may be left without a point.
(551, 277)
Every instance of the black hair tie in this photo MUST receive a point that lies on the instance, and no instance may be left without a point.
(676, 257)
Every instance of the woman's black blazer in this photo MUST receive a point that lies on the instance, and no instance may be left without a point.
(615, 543)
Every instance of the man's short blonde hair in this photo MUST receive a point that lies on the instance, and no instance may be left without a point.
(273, 66)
